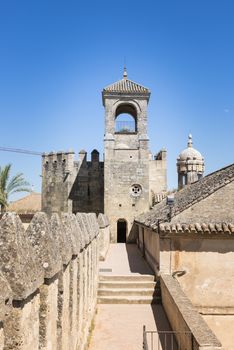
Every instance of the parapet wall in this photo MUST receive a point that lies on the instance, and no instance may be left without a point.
(104, 240)
(192, 332)
(48, 281)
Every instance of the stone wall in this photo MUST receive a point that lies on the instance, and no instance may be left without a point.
(72, 186)
(148, 243)
(87, 193)
(48, 281)
(104, 236)
(203, 266)
(57, 179)
(192, 331)
(158, 176)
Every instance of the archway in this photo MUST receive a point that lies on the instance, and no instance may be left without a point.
(121, 231)
(125, 119)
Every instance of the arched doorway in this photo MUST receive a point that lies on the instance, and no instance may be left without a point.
(121, 231)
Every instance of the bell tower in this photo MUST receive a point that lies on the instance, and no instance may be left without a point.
(126, 169)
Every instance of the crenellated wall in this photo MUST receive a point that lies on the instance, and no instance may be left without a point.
(48, 281)
(104, 239)
(72, 186)
(58, 175)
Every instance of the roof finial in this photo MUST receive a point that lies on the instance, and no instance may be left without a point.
(190, 140)
(125, 75)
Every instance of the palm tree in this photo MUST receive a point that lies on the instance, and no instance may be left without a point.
(9, 186)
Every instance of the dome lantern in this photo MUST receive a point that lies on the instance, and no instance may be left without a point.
(190, 165)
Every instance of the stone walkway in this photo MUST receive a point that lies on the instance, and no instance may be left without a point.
(120, 326)
(124, 259)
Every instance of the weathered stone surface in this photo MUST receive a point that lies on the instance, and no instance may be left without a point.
(5, 296)
(63, 323)
(103, 220)
(68, 222)
(94, 224)
(85, 234)
(48, 315)
(21, 326)
(82, 238)
(86, 222)
(80, 235)
(45, 246)
(58, 175)
(76, 232)
(53, 306)
(19, 263)
(59, 231)
(87, 192)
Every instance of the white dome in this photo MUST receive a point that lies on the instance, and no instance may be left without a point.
(190, 152)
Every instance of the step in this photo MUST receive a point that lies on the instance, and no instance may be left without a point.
(126, 284)
(132, 277)
(127, 292)
(129, 300)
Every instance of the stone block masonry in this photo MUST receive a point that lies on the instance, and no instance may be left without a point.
(48, 281)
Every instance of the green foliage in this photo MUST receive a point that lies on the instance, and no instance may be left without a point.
(9, 186)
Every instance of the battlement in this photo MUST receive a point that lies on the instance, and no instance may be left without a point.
(35, 290)
(161, 155)
(66, 181)
(58, 160)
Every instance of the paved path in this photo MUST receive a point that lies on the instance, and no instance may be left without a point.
(124, 259)
(119, 326)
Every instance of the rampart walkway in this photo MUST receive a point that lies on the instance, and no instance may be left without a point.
(119, 326)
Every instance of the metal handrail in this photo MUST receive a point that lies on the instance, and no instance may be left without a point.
(125, 127)
(163, 335)
(145, 344)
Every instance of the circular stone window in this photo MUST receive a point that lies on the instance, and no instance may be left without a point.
(136, 190)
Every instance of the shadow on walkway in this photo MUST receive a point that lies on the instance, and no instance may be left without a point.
(163, 339)
(137, 263)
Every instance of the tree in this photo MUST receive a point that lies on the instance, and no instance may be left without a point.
(9, 186)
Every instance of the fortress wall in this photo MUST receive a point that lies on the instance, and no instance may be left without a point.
(104, 239)
(48, 281)
(58, 175)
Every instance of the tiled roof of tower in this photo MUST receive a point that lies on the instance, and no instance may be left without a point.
(126, 86)
(188, 196)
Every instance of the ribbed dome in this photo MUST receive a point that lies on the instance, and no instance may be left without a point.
(190, 152)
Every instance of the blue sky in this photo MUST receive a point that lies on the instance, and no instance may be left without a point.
(56, 57)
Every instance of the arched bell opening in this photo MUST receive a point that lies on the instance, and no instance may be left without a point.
(125, 119)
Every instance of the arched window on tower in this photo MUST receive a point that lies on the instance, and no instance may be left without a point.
(125, 119)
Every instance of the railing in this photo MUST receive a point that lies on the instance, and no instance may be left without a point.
(164, 340)
(125, 127)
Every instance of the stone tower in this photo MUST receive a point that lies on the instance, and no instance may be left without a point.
(190, 165)
(57, 180)
(129, 180)
(126, 164)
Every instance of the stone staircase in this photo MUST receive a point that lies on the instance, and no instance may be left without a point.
(128, 289)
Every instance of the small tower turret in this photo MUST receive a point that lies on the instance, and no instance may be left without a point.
(190, 165)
